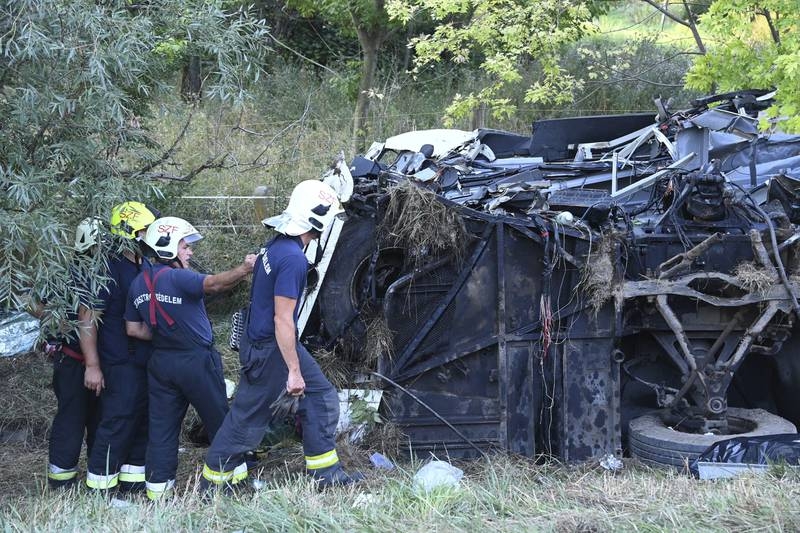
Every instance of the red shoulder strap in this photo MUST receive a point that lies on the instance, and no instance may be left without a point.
(155, 305)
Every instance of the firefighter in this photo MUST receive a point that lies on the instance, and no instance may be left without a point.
(274, 363)
(166, 304)
(77, 413)
(118, 454)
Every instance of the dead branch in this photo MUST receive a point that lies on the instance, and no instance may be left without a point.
(213, 162)
(171, 150)
(278, 135)
(681, 287)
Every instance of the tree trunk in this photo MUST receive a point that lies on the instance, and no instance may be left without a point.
(370, 42)
(407, 52)
(191, 82)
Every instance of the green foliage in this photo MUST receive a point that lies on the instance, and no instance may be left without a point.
(755, 44)
(76, 82)
(361, 412)
(346, 15)
(505, 35)
(625, 75)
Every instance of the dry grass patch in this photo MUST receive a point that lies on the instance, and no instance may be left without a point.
(417, 221)
(29, 403)
(599, 279)
(379, 341)
(752, 277)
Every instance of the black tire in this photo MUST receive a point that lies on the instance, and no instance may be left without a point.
(653, 442)
(343, 288)
(336, 303)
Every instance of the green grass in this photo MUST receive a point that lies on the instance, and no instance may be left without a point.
(500, 494)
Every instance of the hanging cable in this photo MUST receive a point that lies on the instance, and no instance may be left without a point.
(433, 412)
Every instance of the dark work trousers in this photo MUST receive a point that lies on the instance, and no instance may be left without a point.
(118, 454)
(177, 378)
(76, 419)
(263, 379)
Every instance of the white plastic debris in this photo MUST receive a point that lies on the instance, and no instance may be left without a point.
(611, 462)
(18, 333)
(230, 388)
(346, 399)
(565, 218)
(117, 503)
(365, 501)
(437, 474)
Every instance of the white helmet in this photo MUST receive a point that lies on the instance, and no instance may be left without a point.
(87, 234)
(164, 234)
(312, 206)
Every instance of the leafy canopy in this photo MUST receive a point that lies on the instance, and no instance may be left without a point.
(753, 44)
(77, 81)
(346, 15)
(503, 36)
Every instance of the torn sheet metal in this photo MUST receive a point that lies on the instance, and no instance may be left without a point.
(589, 152)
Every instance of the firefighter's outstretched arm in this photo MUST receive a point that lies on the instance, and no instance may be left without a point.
(286, 336)
(226, 280)
(87, 336)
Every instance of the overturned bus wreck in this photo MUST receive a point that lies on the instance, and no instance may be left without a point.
(612, 284)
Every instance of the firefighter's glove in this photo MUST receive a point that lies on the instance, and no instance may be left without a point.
(285, 406)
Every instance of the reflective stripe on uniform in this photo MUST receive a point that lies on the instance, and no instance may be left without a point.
(97, 481)
(157, 490)
(131, 474)
(229, 476)
(315, 462)
(61, 474)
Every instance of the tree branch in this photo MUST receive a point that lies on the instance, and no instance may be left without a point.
(169, 153)
(284, 131)
(691, 23)
(693, 27)
(301, 56)
(666, 12)
(776, 37)
(212, 162)
(162, 176)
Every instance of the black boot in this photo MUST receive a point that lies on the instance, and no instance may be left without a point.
(335, 476)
